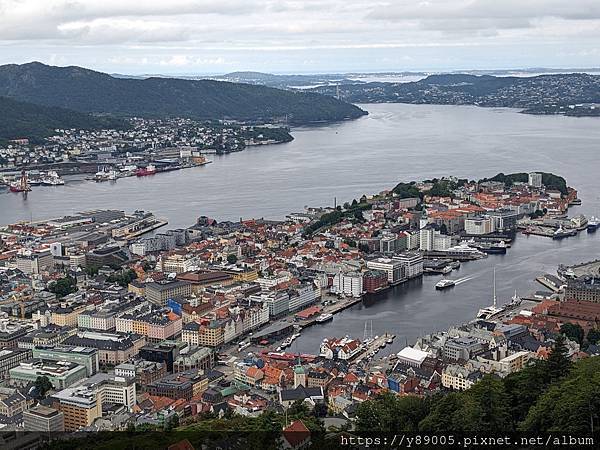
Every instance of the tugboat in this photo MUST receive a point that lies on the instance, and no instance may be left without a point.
(444, 284)
(593, 224)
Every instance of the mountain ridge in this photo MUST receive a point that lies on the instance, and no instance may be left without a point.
(89, 91)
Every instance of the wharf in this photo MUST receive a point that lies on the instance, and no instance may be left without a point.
(373, 347)
(537, 230)
(544, 282)
(152, 226)
(434, 254)
(335, 308)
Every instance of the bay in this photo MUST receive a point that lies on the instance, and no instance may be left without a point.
(395, 142)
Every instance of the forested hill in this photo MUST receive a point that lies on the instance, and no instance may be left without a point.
(569, 94)
(88, 91)
(20, 119)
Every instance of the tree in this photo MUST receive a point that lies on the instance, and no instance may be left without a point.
(573, 331)
(525, 387)
(558, 363)
(388, 412)
(571, 404)
(172, 422)
(231, 258)
(483, 407)
(320, 410)
(443, 414)
(43, 385)
(63, 286)
(593, 336)
(124, 278)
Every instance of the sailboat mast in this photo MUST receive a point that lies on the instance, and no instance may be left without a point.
(495, 301)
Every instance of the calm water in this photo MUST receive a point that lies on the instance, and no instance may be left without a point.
(395, 142)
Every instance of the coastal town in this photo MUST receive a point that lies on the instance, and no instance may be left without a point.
(110, 322)
(144, 147)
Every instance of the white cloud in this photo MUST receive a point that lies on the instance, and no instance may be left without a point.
(189, 33)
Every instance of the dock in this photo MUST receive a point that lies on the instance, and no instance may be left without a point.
(340, 305)
(370, 349)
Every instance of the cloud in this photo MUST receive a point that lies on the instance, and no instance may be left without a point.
(163, 34)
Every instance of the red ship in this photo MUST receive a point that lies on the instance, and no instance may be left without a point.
(22, 185)
(145, 171)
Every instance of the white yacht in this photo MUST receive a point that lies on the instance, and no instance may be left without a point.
(493, 310)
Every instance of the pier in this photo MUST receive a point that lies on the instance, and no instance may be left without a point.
(371, 348)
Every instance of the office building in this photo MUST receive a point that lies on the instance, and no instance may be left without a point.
(43, 419)
(84, 356)
(158, 292)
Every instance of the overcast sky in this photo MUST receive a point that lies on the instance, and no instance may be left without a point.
(217, 36)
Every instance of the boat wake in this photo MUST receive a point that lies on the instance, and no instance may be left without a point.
(463, 280)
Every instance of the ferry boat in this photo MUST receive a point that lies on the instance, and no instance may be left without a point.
(593, 224)
(52, 179)
(105, 175)
(444, 284)
(324, 318)
(494, 249)
(150, 169)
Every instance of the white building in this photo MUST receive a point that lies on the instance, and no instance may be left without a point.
(394, 268)
(303, 295)
(413, 263)
(412, 357)
(345, 348)
(348, 283)
(266, 283)
(479, 225)
(535, 179)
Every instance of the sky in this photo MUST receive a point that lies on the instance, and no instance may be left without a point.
(300, 36)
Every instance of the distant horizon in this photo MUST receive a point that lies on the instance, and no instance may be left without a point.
(531, 69)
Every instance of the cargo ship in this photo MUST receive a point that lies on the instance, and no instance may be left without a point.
(145, 171)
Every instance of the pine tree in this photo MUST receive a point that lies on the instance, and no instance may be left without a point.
(558, 363)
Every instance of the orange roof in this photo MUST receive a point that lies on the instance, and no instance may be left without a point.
(255, 372)
(160, 402)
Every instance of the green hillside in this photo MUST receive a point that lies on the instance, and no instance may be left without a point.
(26, 120)
(88, 91)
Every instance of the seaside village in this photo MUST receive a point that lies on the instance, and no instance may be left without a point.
(104, 328)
